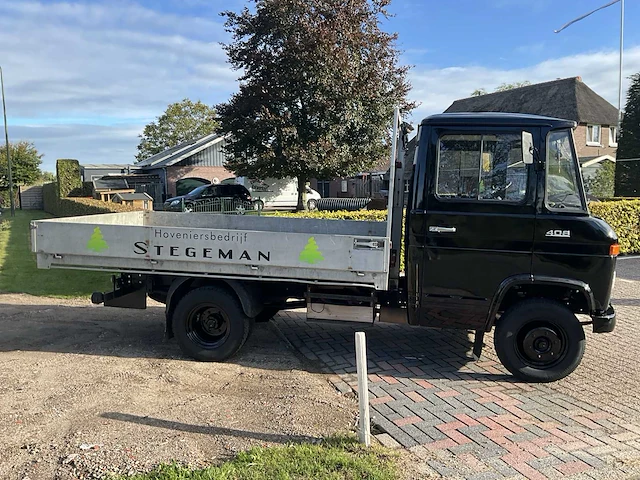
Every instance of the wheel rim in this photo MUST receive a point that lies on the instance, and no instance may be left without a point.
(207, 326)
(542, 345)
(188, 209)
(312, 204)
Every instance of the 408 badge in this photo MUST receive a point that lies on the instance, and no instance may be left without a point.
(558, 233)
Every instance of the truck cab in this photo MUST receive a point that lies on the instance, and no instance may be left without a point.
(498, 233)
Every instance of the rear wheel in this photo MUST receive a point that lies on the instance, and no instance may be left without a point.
(312, 204)
(210, 325)
(539, 340)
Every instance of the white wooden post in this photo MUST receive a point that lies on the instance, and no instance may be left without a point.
(363, 388)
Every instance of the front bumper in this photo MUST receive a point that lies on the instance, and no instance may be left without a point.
(604, 322)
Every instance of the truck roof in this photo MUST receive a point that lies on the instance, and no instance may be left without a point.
(496, 119)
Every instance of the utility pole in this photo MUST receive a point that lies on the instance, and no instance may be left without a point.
(581, 17)
(620, 70)
(6, 139)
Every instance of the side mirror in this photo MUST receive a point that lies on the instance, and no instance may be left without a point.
(527, 148)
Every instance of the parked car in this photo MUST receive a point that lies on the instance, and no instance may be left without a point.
(273, 193)
(211, 198)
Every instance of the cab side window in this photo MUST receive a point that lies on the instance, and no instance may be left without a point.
(481, 168)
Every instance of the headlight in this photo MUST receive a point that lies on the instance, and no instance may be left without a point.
(174, 203)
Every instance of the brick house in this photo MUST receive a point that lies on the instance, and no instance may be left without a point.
(569, 98)
(188, 165)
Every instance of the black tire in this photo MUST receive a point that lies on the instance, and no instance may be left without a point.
(267, 314)
(210, 325)
(539, 340)
(188, 208)
(312, 204)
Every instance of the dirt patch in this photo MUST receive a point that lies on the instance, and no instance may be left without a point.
(86, 390)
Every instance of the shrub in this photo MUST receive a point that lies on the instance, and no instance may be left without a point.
(624, 218)
(71, 207)
(50, 197)
(86, 190)
(364, 215)
(68, 175)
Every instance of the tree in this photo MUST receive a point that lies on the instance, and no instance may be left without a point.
(47, 177)
(601, 184)
(628, 172)
(510, 86)
(501, 88)
(25, 162)
(318, 86)
(181, 122)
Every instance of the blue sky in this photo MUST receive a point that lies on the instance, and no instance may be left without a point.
(82, 78)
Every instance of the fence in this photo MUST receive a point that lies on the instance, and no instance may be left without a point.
(221, 205)
(369, 186)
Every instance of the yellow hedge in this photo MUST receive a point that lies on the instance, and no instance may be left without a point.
(624, 218)
(365, 215)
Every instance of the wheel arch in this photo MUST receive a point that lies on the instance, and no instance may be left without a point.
(577, 295)
(249, 295)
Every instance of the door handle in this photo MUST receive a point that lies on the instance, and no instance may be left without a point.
(442, 229)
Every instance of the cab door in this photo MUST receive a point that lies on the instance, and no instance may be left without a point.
(478, 223)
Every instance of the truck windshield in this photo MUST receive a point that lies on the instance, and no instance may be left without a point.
(563, 187)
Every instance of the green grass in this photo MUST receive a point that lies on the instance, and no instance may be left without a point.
(339, 458)
(18, 271)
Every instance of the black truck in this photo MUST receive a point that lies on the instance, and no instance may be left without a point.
(497, 233)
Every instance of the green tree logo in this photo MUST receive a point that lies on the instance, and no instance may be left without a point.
(310, 253)
(96, 242)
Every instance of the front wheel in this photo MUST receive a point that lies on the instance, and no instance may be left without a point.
(312, 204)
(539, 340)
(210, 325)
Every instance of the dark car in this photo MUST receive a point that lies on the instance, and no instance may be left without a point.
(211, 198)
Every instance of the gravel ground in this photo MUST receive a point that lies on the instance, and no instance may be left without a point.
(86, 390)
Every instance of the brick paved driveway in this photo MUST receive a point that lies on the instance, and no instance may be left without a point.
(466, 419)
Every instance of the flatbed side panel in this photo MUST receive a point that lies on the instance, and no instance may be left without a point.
(137, 218)
(315, 257)
(266, 223)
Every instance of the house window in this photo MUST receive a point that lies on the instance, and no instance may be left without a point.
(613, 136)
(343, 186)
(324, 188)
(593, 135)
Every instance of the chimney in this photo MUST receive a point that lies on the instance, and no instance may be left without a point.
(579, 78)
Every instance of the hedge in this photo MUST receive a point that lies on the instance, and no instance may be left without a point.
(50, 197)
(365, 215)
(622, 214)
(68, 176)
(71, 207)
(624, 218)
(86, 190)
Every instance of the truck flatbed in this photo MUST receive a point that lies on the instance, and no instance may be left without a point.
(326, 252)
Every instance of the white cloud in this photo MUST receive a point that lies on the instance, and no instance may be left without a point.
(82, 79)
(116, 62)
(87, 143)
(438, 88)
